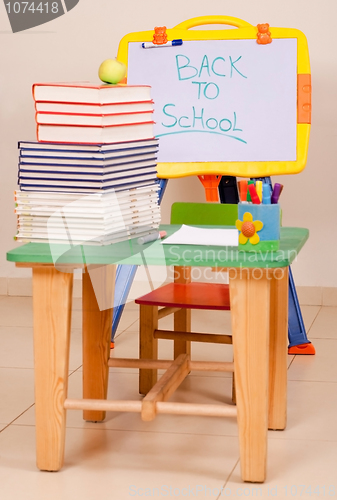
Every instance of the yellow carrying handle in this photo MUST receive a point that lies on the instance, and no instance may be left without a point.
(204, 20)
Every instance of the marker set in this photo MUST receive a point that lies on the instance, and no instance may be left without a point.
(259, 208)
(258, 192)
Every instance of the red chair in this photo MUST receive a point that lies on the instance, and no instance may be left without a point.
(180, 297)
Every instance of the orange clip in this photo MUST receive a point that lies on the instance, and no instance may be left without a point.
(210, 183)
(159, 36)
(263, 34)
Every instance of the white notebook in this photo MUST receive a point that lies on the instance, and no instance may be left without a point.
(189, 235)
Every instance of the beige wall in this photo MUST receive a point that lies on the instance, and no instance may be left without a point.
(72, 47)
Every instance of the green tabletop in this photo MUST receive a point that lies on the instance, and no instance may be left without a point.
(129, 252)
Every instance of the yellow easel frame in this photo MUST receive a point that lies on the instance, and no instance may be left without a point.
(244, 31)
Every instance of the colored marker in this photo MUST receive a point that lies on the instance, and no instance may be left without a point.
(258, 187)
(158, 235)
(248, 192)
(150, 45)
(276, 193)
(243, 186)
(266, 194)
(253, 194)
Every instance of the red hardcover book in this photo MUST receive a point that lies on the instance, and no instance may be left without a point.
(93, 120)
(89, 93)
(95, 135)
(93, 109)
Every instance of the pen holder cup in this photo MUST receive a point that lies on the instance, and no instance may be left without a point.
(259, 227)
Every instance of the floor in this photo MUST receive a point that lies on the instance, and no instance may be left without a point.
(173, 456)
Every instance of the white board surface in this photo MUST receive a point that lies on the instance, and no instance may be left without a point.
(221, 100)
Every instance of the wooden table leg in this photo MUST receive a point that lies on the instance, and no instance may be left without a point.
(278, 350)
(250, 300)
(148, 346)
(97, 288)
(182, 318)
(52, 301)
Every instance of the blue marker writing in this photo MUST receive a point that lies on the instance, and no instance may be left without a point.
(150, 45)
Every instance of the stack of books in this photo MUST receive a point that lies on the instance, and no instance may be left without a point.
(87, 168)
(94, 219)
(86, 113)
(91, 177)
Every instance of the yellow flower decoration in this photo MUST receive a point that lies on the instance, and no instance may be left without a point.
(249, 229)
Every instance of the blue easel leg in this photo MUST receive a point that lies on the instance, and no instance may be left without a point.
(296, 330)
(124, 278)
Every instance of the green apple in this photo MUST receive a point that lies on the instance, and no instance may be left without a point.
(112, 71)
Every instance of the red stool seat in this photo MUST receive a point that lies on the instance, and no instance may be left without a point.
(194, 295)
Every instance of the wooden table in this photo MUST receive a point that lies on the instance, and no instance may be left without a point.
(259, 309)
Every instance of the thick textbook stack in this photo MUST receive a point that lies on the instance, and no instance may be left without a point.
(91, 177)
(92, 194)
(87, 168)
(88, 113)
(92, 219)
